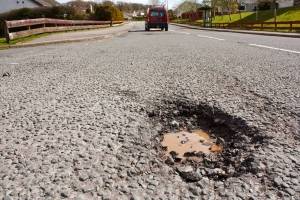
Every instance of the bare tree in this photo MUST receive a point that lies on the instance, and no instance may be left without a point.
(232, 7)
(154, 2)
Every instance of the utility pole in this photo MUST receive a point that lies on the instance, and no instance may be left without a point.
(167, 5)
(211, 12)
(275, 14)
(256, 11)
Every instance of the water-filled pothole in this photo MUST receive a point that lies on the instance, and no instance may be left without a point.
(231, 143)
(185, 144)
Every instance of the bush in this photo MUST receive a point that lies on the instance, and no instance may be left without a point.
(107, 12)
(172, 15)
(117, 15)
(264, 5)
(58, 12)
(102, 12)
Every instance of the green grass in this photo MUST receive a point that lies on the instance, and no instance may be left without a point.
(4, 44)
(187, 21)
(284, 14)
(2, 41)
(234, 17)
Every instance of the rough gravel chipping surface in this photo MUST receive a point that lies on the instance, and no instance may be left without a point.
(84, 120)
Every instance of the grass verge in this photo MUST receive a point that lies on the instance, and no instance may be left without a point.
(4, 44)
(283, 14)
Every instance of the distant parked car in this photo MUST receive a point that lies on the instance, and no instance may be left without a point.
(157, 17)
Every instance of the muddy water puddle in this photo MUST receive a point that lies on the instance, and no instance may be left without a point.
(185, 143)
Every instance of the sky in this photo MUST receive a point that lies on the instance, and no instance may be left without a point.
(172, 3)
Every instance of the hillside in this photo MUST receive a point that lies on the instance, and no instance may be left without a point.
(284, 14)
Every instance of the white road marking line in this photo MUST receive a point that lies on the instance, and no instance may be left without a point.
(186, 33)
(205, 36)
(181, 32)
(268, 47)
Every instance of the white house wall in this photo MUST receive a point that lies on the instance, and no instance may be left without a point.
(285, 3)
(8, 5)
(251, 4)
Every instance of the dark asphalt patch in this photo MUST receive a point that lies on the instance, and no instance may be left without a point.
(240, 142)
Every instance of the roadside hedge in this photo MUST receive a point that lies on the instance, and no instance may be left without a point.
(107, 12)
(102, 12)
(58, 12)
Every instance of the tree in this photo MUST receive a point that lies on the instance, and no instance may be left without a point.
(187, 6)
(130, 7)
(102, 13)
(171, 15)
(154, 2)
(264, 4)
(229, 6)
(107, 12)
(108, 3)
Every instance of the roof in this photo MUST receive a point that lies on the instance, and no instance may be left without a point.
(46, 2)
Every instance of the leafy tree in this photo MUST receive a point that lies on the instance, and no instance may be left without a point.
(102, 13)
(264, 4)
(107, 12)
(171, 15)
(107, 3)
(130, 7)
(58, 12)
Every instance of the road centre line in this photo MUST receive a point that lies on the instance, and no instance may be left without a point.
(205, 36)
(275, 48)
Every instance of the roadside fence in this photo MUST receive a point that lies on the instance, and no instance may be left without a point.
(23, 28)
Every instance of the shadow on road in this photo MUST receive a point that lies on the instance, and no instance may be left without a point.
(136, 31)
(133, 31)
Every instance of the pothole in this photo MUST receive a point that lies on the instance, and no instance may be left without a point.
(206, 140)
(184, 144)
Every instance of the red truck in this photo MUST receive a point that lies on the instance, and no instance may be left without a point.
(157, 17)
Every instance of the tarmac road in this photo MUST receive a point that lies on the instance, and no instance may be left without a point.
(83, 120)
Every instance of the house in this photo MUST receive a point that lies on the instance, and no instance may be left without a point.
(82, 6)
(285, 3)
(139, 13)
(250, 5)
(8, 5)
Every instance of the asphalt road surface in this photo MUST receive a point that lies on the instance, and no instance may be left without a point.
(83, 120)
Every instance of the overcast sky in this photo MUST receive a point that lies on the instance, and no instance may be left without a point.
(171, 2)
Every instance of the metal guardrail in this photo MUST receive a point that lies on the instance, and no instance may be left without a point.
(23, 28)
(257, 25)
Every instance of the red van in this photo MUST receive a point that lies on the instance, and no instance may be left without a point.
(157, 17)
